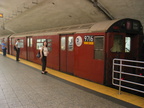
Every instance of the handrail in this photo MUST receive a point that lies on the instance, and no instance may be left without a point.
(120, 71)
(128, 73)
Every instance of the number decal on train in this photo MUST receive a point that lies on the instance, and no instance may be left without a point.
(89, 40)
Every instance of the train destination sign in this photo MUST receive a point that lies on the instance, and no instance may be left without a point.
(89, 40)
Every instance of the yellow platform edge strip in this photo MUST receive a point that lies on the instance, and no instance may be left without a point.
(124, 96)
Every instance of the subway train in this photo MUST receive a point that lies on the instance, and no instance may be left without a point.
(85, 50)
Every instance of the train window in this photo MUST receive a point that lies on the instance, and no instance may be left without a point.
(0, 42)
(30, 42)
(21, 43)
(127, 44)
(70, 43)
(27, 42)
(49, 44)
(38, 40)
(63, 42)
(49, 40)
(41, 40)
(39, 45)
(13, 41)
(118, 44)
(98, 47)
(49, 48)
(9, 41)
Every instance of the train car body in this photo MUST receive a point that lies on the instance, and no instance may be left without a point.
(87, 50)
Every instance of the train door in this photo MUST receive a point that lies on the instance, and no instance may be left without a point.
(99, 57)
(122, 46)
(67, 53)
(99, 48)
(8, 49)
(29, 48)
(13, 52)
(9, 45)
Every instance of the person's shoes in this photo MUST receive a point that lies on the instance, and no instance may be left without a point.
(45, 72)
(17, 60)
(42, 72)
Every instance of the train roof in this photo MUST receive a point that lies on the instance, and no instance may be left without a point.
(105, 26)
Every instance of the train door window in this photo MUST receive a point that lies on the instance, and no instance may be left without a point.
(127, 44)
(39, 43)
(9, 41)
(98, 47)
(117, 44)
(13, 41)
(70, 43)
(30, 42)
(27, 42)
(49, 44)
(21, 43)
(63, 42)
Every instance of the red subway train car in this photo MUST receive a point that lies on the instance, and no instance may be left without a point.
(84, 50)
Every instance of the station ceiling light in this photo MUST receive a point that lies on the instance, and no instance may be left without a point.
(1, 15)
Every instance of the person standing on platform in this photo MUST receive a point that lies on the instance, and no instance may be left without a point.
(3, 44)
(44, 53)
(17, 46)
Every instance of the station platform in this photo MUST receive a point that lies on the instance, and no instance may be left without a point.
(23, 86)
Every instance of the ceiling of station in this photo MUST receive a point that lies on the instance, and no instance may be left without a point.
(125, 9)
(29, 15)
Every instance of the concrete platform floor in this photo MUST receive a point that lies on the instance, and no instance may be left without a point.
(22, 86)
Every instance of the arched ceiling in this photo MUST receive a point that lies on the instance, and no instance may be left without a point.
(29, 15)
(125, 9)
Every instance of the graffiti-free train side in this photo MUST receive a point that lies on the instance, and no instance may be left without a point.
(85, 50)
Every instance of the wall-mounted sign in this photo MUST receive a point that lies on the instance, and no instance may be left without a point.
(78, 41)
(89, 40)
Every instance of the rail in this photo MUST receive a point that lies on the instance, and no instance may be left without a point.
(128, 74)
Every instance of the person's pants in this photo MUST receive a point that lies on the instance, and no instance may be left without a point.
(17, 54)
(43, 63)
(4, 52)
